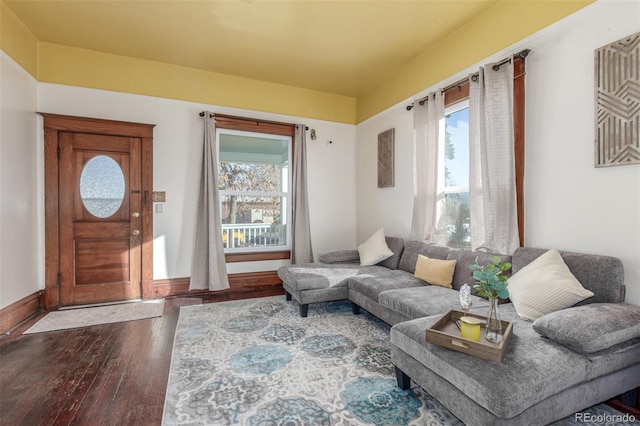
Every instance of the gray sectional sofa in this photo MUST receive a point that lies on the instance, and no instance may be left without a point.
(557, 365)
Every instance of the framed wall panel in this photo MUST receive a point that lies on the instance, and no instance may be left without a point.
(386, 159)
(617, 103)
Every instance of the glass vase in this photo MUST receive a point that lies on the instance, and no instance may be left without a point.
(494, 326)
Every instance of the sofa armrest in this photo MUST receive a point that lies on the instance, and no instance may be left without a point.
(341, 256)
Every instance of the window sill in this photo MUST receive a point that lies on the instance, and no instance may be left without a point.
(257, 256)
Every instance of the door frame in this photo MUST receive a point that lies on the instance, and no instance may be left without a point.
(55, 123)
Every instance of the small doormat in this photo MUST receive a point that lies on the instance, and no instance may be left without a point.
(85, 317)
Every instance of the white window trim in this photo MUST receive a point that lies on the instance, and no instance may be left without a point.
(286, 195)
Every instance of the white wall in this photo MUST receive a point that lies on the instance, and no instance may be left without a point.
(390, 208)
(21, 231)
(569, 204)
(176, 165)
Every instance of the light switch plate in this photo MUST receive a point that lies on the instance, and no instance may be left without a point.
(159, 197)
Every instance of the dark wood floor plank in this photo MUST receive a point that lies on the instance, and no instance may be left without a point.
(107, 374)
(41, 376)
(80, 376)
(104, 390)
(139, 369)
(128, 371)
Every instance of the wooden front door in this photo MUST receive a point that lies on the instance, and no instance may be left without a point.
(98, 194)
(100, 201)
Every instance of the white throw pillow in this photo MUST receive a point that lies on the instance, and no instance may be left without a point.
(375, 249)
(545, 285)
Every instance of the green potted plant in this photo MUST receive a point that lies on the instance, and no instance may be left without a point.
(491, 283)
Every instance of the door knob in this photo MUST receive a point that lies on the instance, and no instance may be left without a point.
(135, 214)
(136, 232)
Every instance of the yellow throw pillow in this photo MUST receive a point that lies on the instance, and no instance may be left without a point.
(435, 271)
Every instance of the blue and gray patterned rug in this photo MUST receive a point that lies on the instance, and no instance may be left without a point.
(257, 362)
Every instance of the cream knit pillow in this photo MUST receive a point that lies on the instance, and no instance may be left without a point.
(375, 249)
(545, 285)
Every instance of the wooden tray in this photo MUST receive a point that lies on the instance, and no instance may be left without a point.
(445, 333)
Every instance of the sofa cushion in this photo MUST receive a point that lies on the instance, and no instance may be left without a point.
(463, 274)
(435, 271)
(370, 285)
(374, 249)
(603, 275)
(312, 276)
(413, 248)
(543, 286)
(428, 300)
(591, 328)
(396, 245)
(340, 256)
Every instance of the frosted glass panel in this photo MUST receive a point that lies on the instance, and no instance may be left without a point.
(102, 186)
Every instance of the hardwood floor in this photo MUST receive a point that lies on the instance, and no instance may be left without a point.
(111, 374)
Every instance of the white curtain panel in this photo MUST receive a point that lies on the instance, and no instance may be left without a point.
(301, 251)
(492, 184)
(428, 200)
(208, 268)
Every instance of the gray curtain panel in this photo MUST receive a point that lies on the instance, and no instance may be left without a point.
(428, 200)
(492, 184)
(301, 251)
(208, 268)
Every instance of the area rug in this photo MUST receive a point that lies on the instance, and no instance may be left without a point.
(257, 362)
(85, 317)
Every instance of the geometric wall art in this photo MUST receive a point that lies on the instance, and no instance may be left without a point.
(617, 103)
(386, 158)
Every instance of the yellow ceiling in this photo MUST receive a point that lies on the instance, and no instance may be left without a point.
(340, 47)
(337, 60)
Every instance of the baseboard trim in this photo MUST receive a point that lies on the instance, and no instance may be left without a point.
(18, 312)
(170, 287)
(246, 284)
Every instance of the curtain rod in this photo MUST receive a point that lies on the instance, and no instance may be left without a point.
(458, 84)
(254, 120)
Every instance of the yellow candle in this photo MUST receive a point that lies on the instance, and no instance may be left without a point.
(470, 328)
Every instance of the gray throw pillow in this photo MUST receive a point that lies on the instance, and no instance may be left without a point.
(591, 328)
(340, 256)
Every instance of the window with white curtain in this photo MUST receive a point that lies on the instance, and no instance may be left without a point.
(451, 171)
(254, 182)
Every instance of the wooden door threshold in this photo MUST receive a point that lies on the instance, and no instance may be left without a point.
(95, 305)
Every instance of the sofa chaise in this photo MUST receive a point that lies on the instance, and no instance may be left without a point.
(558, 364)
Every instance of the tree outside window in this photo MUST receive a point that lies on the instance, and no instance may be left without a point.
(253, 183)
(456, 176)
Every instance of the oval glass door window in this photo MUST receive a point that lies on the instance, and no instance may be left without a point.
(102, 186)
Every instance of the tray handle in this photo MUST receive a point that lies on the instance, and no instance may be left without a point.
(459, 343)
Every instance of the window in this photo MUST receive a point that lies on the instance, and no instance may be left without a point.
(456, 190)
(253, 172)
(455, 154)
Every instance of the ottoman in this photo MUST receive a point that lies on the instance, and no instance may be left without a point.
(538, 381)
(320, 282)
